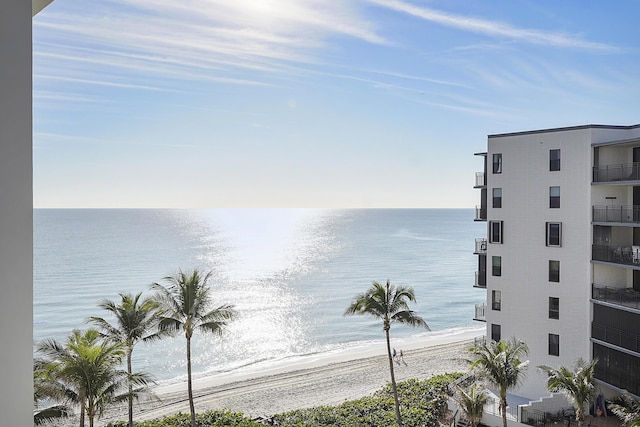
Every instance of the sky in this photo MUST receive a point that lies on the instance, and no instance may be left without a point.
(311, 103)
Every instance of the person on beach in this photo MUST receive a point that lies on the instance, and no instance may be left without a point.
(394, 354)
(401, 358)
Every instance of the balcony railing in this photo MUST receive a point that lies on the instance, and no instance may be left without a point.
(616, 336)
(615, 173)
(628, 214)
(481, 246)
(480, 180)
(481, 213)
(481, 279)
(564, 417)
(628, 255)
(626, 297)
(480, 312)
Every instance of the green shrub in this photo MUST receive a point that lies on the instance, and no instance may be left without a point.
(205, 419)
(422, 403)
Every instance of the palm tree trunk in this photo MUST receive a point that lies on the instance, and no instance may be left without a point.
(503, 408)
(393, 379)
(580, 416)
(191, 406)
(130, 398)
(81, 396)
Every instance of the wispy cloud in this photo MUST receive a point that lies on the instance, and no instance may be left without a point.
(57, 138)
(214, 40)
(494, 28)
(100, 83)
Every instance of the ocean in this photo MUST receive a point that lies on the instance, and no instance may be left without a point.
(290, 273)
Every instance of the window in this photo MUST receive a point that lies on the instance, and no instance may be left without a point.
(496, 266)
(554, 234)
(554, 160)
(495, 332)
(554, 345)
(554, 308)
(496, 300)
(497, 163)
(497, 197)
(554, 197)
(554, 271)
(495, 231)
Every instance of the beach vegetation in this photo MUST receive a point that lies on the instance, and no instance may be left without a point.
(577, 385)
(388, 303)
(184, 306)
(424, 403)
(86, 368)
(502, 364)
(221, 418)
(627, 409)
(49, 395)
(135, 321)
(471, 402)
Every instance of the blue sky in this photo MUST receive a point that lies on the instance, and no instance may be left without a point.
(311, 103)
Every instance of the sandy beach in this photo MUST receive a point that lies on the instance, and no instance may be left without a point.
(324, 380)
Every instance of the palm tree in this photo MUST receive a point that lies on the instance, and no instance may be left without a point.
(388, 303)
(47, 389)
(135, 318)
(577, 385)
(472, 402)
(86, 366)
(501, 364)
(629, 413)
(183, 306)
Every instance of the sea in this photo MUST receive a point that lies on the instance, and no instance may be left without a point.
(290, 273)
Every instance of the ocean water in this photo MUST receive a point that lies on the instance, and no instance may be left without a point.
(290, 273)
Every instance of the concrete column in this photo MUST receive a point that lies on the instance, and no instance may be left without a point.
(16, 215)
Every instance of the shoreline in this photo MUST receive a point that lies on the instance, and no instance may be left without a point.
(327, 379)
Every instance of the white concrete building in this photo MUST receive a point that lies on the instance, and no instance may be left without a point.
(16, 212)
(561, 259)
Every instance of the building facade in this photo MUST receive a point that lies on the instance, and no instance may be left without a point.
(561, 259)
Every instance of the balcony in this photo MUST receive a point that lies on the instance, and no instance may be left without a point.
(481, 182)
(480, 312)
(613, 368)
(625, 297)
(623, 214)
(481, 246)
(617, 173)
(481, 280)
(615, 336)
(481, 213)
(626, 255)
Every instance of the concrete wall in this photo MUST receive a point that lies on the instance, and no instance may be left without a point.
(525, 286)
(16, 215)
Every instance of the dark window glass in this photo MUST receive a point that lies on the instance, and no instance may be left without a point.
(554, 197)
(496, 266)
(554, 234)
(554, 271)
(495, 232)
(554, 308)
(619, 369)
(554, 345)
(496, 300)
(497, 163)
(554, 160)
(497, 197)
(495, 332)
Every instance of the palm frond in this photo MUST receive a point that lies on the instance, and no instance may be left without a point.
(629, 413)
